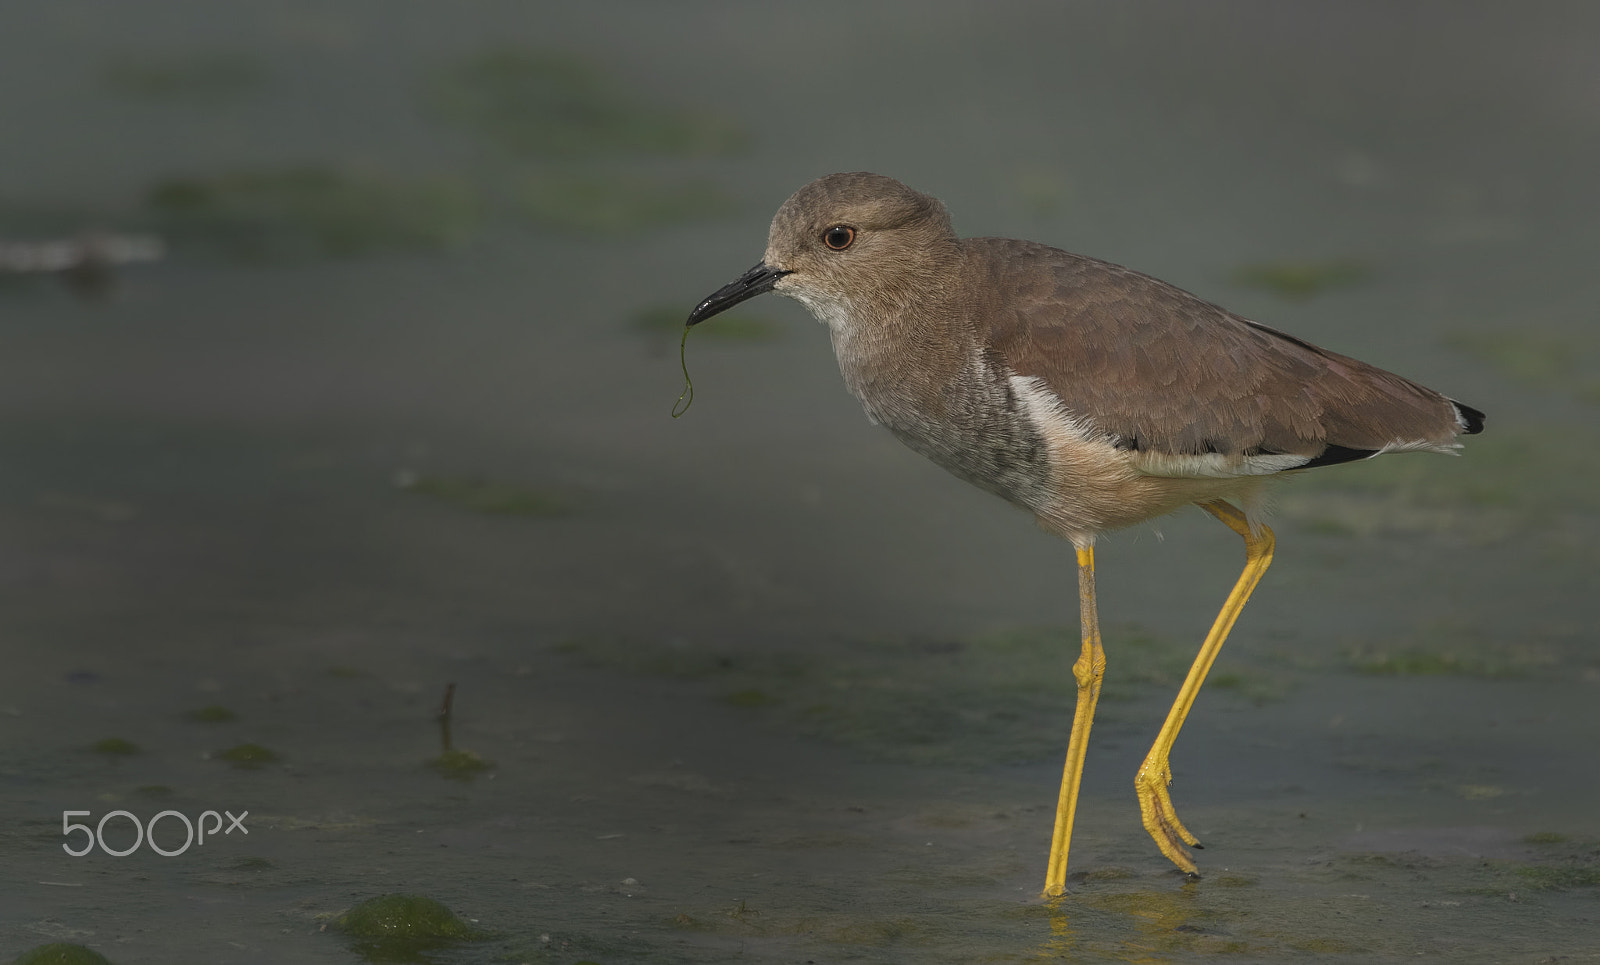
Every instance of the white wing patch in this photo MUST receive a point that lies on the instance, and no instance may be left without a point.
(1061, 425)
(1046, 410)
(1213, 465)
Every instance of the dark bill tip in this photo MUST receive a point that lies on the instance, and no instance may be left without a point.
(756, 281)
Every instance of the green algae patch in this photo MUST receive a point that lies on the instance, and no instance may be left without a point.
(1542, 359)
(1449, 648)
(540, 104)
(460, 765)
(608, 205)
(247, 756)
(1563, 863)
(1325, 946)
(832, 927)
(1425, 664)
(488, 496)
(61, 953)
(114, 747)
(970, 700)
(400, 927)
(1559, 877)
(1103, 874)
(211, 714)
(1233, 880)
(1299, 280)
(749, 697)
(877, 932)
(311, 211)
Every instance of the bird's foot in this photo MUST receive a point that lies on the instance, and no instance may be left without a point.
(1160, 819)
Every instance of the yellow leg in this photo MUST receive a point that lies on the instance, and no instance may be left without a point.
(1155, 804)
(1089, 669)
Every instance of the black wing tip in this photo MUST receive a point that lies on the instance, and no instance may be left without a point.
(1334, 455)
(1471, 419)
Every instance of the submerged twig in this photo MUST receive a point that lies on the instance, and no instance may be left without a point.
(446, 708)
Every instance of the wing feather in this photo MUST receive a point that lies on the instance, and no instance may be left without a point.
(1164, 372)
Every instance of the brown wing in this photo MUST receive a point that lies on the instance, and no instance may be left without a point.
(1164, 371)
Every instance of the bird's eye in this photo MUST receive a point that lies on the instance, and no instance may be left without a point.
(839, 237)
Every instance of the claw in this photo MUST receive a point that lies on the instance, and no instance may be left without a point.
(1161, 818)
(1155, 804)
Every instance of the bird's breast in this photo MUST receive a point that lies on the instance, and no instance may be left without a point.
(958, 412)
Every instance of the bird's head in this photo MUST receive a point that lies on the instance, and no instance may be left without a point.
(840, 237)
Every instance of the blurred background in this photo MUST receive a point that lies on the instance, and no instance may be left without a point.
(337, 357)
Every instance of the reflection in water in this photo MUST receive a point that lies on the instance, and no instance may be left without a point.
(1150, 923)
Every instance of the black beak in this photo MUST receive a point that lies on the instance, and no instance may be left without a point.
(756, 281)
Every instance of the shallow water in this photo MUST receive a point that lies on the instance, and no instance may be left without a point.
(758, 684)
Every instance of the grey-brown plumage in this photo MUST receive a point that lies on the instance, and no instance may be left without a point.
(1088, 393)
(1092, 395)
(1162, 370)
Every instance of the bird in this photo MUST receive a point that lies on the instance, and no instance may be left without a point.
(1090, 395)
